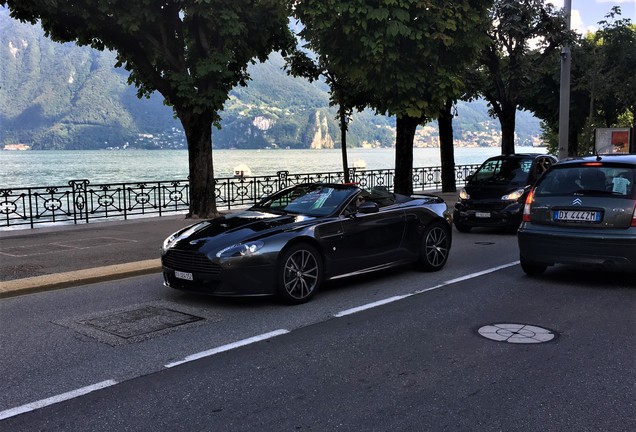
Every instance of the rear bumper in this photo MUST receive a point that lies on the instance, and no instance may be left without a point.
(549, 245)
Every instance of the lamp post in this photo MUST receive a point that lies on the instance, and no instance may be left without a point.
(564, 100)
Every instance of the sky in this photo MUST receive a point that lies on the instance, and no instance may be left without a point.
(587, 13)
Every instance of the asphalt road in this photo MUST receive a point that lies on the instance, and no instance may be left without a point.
(398, 350)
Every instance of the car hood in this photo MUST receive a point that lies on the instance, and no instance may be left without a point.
(234, 228)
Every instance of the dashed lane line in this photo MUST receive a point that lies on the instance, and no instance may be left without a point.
(55, 399)
(370, 305)
(443, 284)
(228, 347)
(467, 277)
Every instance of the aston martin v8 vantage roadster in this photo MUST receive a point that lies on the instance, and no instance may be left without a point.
(292, 241)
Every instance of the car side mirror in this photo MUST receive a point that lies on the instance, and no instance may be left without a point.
(368, 207)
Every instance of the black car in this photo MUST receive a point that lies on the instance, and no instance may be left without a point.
(292, 241)
(495, 194)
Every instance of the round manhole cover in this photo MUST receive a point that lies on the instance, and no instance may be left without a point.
(517, 333)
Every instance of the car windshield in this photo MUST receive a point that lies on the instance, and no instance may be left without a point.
(503, 171)
(589, 179)
(311, 200)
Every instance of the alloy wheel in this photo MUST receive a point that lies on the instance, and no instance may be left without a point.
(301, 274)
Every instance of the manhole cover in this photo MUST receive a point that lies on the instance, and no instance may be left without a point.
(140, 321)
(517, 333)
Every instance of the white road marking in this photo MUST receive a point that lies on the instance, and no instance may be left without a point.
(228, 347)
(443, 284)
(467, 277)
(370, 305)
(55, 399)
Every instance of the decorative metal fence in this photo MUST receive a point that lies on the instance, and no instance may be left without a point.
(81, 202)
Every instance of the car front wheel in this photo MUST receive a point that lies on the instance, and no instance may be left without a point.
(300, 273)
(436, 243)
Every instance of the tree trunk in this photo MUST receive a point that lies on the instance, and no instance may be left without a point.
(446, 149)
(343, 143)
(507, 121)
(573, 141)
(632, 145)
(198, 131)
(405, 132)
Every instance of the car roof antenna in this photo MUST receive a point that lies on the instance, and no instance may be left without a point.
(598, 156)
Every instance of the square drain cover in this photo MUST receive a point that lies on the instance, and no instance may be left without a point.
(141, 321)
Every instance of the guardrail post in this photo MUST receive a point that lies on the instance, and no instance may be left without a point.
(282, 179)
(31, 208)
(80, 199)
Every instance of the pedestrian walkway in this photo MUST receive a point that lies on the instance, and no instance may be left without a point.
(55, 257)
(45, 258)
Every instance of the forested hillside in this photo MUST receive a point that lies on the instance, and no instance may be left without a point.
(60, 96)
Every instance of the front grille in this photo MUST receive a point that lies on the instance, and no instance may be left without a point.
(192, 262)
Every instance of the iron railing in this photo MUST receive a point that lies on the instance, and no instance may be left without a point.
(82, 202)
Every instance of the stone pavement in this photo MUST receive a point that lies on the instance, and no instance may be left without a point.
(39, 259)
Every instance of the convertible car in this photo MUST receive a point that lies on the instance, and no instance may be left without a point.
(292, 241)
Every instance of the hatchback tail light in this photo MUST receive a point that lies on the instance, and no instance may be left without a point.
(526, 208)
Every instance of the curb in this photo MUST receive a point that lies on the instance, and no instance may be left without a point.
(81, 277)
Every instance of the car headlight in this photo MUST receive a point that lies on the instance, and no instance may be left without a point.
(241, 249)
(168, 242)
(463, 194)
(514, 196)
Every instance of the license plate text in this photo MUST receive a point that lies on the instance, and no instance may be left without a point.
(577, 215)
(183, 275)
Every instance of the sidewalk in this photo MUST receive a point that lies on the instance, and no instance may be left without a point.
(40, 259)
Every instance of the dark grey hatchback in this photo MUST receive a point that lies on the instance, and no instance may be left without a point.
(495, 193)
(583, 212)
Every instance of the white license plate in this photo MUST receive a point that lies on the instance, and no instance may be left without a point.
(577, 215)
(183, 275)
(482, 214)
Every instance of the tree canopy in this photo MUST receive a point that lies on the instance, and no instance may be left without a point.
(405, 54)
(615, 43)
(192, 51)
(505, 64)
(602, 85)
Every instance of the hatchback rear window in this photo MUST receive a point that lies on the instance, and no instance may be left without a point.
(589, 179)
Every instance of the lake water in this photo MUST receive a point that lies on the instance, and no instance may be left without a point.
(56, 168)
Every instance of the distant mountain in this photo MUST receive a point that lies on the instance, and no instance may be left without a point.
(61, 96)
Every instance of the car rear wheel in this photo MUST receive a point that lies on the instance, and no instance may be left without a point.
(300, 273)
(532, 268)
(436, 243)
